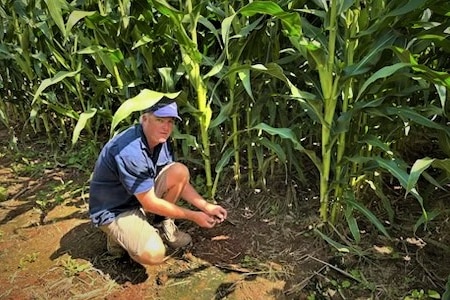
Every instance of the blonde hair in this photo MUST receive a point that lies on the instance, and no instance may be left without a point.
(142, 115)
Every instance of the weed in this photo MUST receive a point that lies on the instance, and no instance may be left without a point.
(83, 158)
(55, 194)
(72, 267)
(3, 193)
(30, 167)
(422, 295)
(248, 262)
(29, 258)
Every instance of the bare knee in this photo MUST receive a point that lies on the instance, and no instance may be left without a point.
(153, 254)
(179, 172)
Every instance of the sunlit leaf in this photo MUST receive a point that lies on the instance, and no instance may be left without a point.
(143, 100)
(244, 76)
(55, 7)
(61, 75)
(142, 41)
(81, 124)
(75, 17)
(418, 167)
(290, 20)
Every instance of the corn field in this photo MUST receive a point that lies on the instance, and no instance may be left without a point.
(355, 91)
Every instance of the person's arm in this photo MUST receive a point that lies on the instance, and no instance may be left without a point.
(151, 203)
(193, 197)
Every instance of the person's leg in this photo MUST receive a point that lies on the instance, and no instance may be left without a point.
(169, 184)
(134, 234)
(171, 181)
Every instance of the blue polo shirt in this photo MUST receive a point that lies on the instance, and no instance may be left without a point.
(125, 167)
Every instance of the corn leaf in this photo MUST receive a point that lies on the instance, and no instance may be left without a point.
(339, 247)
(75, 17)
(61, 75)
(81, 124)
(352, 223)
(446, 294)
(382, 73)
(408, 113)
(371, 58)
(143, 100)
(369, 215)
(418, 167)
(55, 8)
(290, 20)
(224, 160)
(287, 133)
(274, 147)
(424, 219)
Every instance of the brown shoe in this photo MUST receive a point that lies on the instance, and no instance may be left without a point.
(172, 235)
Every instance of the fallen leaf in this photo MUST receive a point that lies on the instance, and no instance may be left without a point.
(418, 242)
(383, 249)
(220, 238)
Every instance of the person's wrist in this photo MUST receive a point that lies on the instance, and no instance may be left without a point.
(193, 216)
(206, 206)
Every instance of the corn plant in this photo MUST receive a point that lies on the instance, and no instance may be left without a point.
(186, 36)
(349, 85)
(344, 54)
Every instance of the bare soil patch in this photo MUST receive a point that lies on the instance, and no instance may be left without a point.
(268, 249)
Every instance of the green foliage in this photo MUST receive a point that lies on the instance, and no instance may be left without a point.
(446, 295)
(3, 193)
(422, 295)
(353, 88)
(28, 259)
(143, 100)
(73, 267)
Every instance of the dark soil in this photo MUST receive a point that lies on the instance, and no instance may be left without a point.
(270, 247)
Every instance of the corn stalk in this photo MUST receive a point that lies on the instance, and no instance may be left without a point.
(191, 58)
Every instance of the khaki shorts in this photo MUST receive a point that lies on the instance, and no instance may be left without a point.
(131, 229)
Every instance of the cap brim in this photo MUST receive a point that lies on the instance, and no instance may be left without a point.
(163, 115)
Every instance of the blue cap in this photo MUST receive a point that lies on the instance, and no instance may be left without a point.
(164, 110)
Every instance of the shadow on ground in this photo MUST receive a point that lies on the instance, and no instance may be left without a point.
(87, 242)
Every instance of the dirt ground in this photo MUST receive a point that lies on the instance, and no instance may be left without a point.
(268, 249)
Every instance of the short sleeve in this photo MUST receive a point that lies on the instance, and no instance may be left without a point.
(135, 173)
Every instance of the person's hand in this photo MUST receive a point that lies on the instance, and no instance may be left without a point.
(216, 211)
(204, 220)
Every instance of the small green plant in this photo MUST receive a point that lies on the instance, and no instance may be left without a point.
(311, 297)
(422, 295)
(29, 258)
(72, 267)
(55, 194)
(446, 295)
(30, 166)
(3, 193)
(249, 261)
